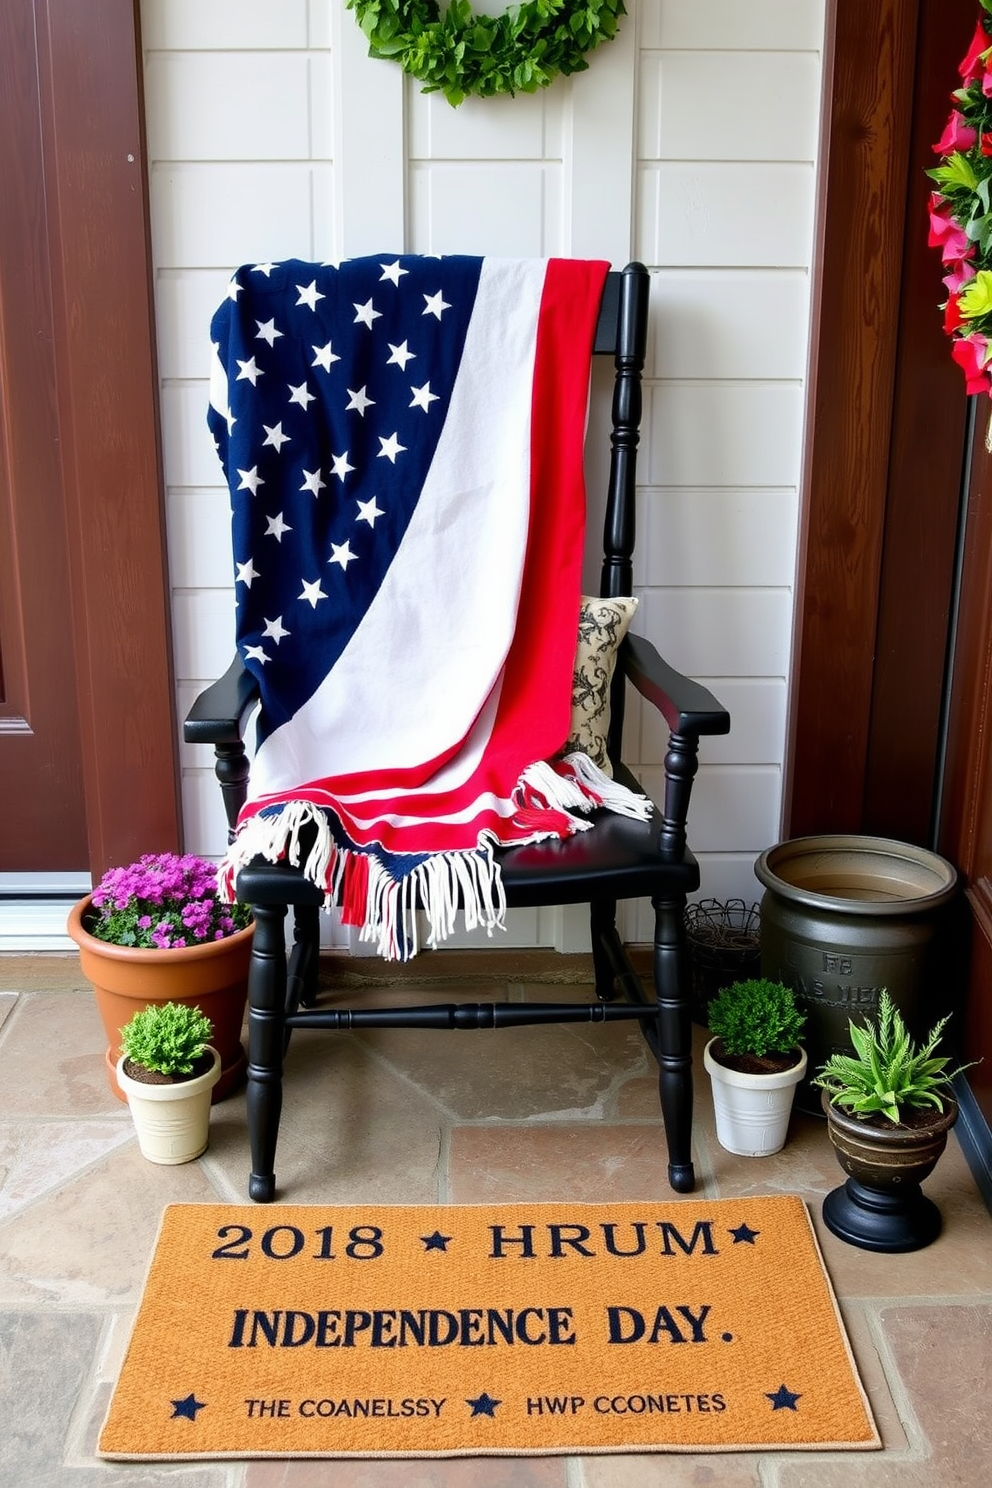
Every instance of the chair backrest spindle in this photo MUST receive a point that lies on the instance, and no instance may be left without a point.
(630, 350)
(628, 292)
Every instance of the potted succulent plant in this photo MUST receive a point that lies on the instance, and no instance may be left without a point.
(167, 1070)
(755, 1063)
(889, 1108)
(156, 931)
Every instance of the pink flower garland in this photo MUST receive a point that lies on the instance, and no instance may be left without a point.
(960, 216)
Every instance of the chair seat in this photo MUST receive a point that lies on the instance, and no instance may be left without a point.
(617, 858)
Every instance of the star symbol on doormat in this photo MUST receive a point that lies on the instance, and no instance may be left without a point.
(745, 1234)
(485, 1405)
(187, 1408)
(437, 1241)
(783, 1399)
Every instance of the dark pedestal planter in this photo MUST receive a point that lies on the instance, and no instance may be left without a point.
(881, 1206)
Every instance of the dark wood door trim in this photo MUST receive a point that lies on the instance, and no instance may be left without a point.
(864, 150)
(108, 412)
(885, 430)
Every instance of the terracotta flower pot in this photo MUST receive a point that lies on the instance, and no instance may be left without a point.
(881, 1206)
(212, 977)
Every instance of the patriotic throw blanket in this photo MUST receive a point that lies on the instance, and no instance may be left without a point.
(403, 442)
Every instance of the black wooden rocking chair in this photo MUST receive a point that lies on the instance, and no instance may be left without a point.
(618, 859)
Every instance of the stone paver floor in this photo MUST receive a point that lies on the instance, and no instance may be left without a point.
(406, 1117)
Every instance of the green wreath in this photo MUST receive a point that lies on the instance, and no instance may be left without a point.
(459, 53)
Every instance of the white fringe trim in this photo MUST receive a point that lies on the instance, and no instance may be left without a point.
(442, 884)
(468, 879)
(614, 796)
(576, 792)
(560, 792)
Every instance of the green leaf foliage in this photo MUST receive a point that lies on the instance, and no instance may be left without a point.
(887, 1071)
(454, 51)
(756, 1017)
(167, 1037)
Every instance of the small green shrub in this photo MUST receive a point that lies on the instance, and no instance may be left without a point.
(166, 1037)
(756, 1017)
(887, 1071)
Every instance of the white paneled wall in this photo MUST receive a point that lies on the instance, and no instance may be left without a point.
(728, 101)
(689, 143)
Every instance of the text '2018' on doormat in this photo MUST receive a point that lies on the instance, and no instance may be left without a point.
(378, 1330)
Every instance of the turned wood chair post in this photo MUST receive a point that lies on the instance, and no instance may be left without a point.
(266, 1045)
(681, 764)
(674, 1038)
(620, 525)
(304, 960)
(232, 769)
(602, 921)
(619, 533)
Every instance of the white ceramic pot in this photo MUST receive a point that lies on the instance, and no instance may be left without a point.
(752, 1111)
(172, 1121)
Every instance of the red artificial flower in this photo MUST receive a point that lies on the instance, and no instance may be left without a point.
(957, 135)
(952, 315)
(970, 353)
(973, 65)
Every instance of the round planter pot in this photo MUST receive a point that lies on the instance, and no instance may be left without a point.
(752, 1111)
(881, 1206)
(212, 977)
(843, 917)
(172, 1121)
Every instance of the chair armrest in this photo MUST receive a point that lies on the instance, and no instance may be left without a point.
(688, 707)
(220, 713)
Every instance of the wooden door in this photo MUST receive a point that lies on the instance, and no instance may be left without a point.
(966, 806)
(43, 808)
(88, 744)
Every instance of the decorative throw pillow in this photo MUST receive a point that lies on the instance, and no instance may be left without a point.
(603, 623)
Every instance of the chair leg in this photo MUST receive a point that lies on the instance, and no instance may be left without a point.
(304, 959)
(674, 1039)
(266, 1024)
(603, 919)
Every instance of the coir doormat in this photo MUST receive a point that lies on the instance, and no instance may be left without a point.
(376, 1330)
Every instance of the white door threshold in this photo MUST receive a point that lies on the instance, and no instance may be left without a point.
(34, 908)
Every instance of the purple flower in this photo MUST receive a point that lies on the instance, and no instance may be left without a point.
(163, 901)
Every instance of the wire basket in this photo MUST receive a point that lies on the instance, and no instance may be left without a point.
(724, 941)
